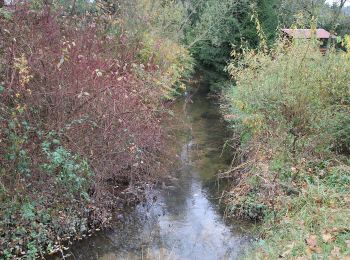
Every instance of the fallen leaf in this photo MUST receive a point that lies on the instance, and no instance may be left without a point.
(336, 230)
(301, 258)
(288, 251)
(61, 62)
(327, 237)
(312, 243)
(347, 243)
(335, 251)
(309, 253)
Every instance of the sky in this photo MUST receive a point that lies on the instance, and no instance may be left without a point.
(331, 2)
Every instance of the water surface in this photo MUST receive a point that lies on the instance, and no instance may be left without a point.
(181, 219)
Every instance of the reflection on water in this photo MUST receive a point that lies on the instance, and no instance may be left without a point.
(181, 219)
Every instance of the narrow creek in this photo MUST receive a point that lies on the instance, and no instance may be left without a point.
(182, 218)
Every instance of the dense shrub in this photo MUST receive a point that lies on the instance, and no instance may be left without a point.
(173, 61)
(217, 26)
(80, 118)
(159, 29)
(301, 90)
(290, 111)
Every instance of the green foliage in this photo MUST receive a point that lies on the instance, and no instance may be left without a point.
(156, 31)
(37, 188)
(306, 93)
(5, 14)
(71, 172)
(165, 18)
(54, 191)
(301, 11)
(28, 210)
(175, 64)
(294, 103)
(219, 25)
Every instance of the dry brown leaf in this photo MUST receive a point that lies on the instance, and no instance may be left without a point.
(347, 243)
(335, 251)
(312, 241)
(327, 237)
(288, 251)
(336, 230)
(308, 252)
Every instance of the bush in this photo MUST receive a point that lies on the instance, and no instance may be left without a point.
(303, 92)
(173, 61)
(81, 119)
(290, 109)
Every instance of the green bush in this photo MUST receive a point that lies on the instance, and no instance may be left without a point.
(297, 88)
(42, 195)
(291, 108)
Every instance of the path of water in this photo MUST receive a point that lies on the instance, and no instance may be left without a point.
(181, 219)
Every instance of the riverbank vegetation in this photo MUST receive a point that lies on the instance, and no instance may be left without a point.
(84, 91)
(288, 107)
(215, 27)
(290, 112)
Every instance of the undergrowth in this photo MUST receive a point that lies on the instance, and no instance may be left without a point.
(290, 112)
(82, 102)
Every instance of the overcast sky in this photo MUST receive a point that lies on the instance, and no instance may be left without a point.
(331, 2)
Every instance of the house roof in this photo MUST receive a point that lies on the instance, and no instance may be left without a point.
(307, 33)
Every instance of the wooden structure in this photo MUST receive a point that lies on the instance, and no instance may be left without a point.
(320, 34)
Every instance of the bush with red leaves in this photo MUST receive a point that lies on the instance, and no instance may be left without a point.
(76, 124)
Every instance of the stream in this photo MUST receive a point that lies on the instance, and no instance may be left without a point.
(181, 219)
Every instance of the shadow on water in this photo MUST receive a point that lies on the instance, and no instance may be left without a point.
(185, 221)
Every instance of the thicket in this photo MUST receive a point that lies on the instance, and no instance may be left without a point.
(215, 27)
(83, 93)
(290, 112)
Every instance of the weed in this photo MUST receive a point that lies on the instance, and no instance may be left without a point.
(291, 107)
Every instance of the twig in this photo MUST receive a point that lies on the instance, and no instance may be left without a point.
(224, 174)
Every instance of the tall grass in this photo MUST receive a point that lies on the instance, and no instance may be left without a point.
(290, 108)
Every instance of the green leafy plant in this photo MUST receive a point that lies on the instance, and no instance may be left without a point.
(294, 102)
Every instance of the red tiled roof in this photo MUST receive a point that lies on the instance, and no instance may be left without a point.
(307, 33)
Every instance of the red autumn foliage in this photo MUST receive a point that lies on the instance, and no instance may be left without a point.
(81, 84)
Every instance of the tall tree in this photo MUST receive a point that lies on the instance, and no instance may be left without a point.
(216, 26)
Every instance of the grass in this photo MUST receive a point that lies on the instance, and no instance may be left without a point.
(313, 225)
(290, 113)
